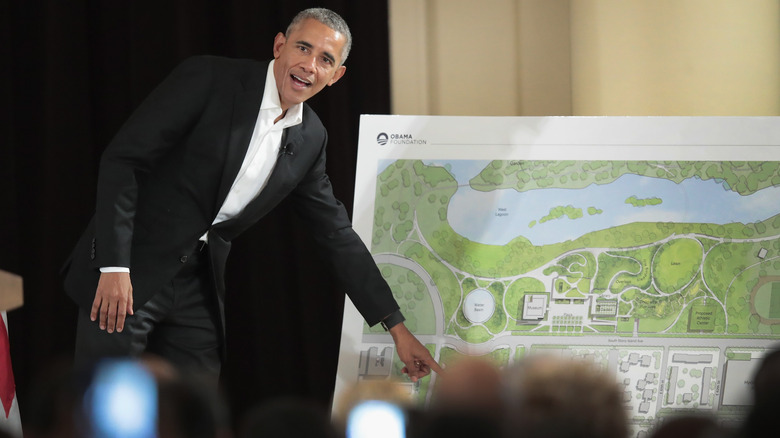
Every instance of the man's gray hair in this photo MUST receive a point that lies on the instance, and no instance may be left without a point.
(328, 18)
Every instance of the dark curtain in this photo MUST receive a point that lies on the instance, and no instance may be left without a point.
(72, 72)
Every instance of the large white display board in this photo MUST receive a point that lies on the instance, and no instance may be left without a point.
(650, 245)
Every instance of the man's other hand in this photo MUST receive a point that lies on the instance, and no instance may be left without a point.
(418, 360)
(113, 301)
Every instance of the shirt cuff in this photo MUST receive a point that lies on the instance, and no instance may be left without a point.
(114, 269)
(392, 319)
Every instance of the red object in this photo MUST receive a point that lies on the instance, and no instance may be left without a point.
(7, 385)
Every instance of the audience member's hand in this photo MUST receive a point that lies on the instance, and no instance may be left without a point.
(416, 358)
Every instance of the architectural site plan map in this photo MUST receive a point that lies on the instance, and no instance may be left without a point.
(650, 246)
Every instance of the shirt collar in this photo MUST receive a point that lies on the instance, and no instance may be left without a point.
(271, 101)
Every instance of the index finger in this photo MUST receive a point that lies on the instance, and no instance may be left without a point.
(435, 366)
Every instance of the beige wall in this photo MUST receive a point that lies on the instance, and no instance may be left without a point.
(585, 57)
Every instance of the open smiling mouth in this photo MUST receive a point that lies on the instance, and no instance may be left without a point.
(300, 81)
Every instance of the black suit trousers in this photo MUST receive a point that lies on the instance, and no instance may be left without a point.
(180, 323)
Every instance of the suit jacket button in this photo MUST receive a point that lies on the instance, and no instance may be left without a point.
(183, 259)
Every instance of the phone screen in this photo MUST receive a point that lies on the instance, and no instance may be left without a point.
(376, 419)
(121, 401)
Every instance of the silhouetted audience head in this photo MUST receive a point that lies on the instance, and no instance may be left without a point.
(766, 379)
(762, 419)
(470, 385)
(50, 402)
(555, 398)
(190, 408)
(466, 402)
(689, 426)
(287, 418)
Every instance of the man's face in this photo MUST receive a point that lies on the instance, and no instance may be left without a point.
(306, 61)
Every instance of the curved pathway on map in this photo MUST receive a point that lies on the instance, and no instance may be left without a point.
(438, 307)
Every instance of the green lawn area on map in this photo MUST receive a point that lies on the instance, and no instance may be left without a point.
(677, 278)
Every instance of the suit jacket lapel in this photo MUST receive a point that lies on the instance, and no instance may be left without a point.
(246, 105)
(281, 181)
(281, 175)
(283, 170)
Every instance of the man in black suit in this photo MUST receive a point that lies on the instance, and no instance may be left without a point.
(217, 145)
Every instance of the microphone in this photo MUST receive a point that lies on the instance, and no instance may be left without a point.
(287, 150)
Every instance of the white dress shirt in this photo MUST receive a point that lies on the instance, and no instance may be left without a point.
(262, 152)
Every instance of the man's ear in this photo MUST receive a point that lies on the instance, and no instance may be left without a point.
(339, 73)
(279, 41)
